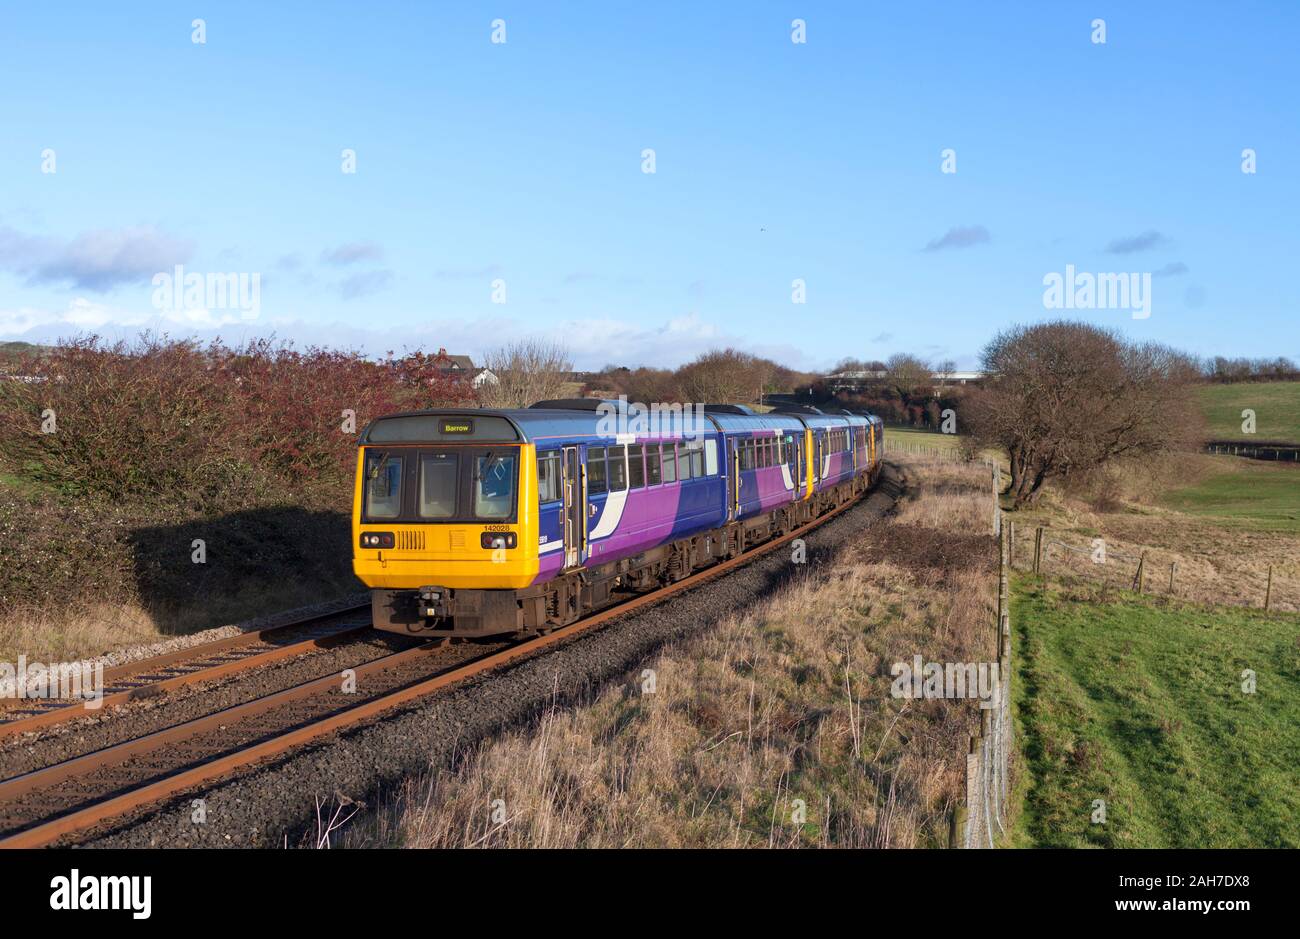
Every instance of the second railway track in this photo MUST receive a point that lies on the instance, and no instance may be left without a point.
(54, 802)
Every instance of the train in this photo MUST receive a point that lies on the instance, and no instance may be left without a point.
(474, 522)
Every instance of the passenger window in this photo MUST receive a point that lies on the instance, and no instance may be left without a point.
(683, 461)
(617, 469)
(439, 480)
(697, 458)
(747, 455)
(652, 475)
(548, 477)
(595, 470)
(670, 462)
(635, 466)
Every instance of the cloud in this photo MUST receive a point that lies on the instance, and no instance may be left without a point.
(669, 343)
(96, 260)
(882, 337)
(1172, 269)
(961, 237)
(365, 284)
(1143, 242)
(82, 315)
(352, 253)
(288, 262)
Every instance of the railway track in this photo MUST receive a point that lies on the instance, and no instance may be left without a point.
(85, 792)
(207, 661)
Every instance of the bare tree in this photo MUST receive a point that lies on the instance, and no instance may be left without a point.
(1064, 398)
(725, 376)
(907, 374)
(527, 371)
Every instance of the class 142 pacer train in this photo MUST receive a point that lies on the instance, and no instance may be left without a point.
(478, 522)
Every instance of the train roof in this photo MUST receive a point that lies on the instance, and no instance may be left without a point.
(551, 421)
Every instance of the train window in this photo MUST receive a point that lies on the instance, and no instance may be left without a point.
(746, 448)
(670, 462)
(696, 448)
(595, 470)
(683, 462)
(494, 485)
(383, 485)
(617, 468)
(635, 466)
(789, 450)
(711, 457)
(548, 476)
(439, 480)
(652, 476)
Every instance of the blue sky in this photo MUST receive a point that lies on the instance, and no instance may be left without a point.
(775, 161)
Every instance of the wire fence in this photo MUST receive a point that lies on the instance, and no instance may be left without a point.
(983, 818)
(1227, 578)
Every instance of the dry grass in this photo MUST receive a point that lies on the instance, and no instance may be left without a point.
(776, 729)
(76, 632)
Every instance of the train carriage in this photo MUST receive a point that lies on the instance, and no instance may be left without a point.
(475, 522)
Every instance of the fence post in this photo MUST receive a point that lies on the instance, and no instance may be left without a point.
(1038, 549)
(1268, 591)
(1173, 566)
(1141, 572)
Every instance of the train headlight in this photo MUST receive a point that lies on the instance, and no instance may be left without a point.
(491, 540)
(377, 539)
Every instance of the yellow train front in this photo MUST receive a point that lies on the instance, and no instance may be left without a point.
(454, 492)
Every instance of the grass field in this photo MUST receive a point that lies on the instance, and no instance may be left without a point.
(925, 438)
(1139, 702)
(1276, 406)
(1246, 493)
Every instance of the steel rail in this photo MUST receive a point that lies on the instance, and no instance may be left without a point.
(96, 813)
(67, 710)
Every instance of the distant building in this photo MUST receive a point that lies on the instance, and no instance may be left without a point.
(462, 366)
(859, 379)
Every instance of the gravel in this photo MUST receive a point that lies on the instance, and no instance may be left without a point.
(275, 804)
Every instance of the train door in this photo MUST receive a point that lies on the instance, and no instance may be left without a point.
(733, 477)
(575, 509)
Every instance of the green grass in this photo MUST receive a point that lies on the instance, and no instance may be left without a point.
(925, 438)
(1276, 405)
(1140, 703)
(1246, 493)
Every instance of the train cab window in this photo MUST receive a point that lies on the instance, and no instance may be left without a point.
(383, 485)
(635, 466)
(494, 485)
(617, 468)
(439, 481)
(548, 477)
(696, 450)
(670, 462)
(595, 470)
